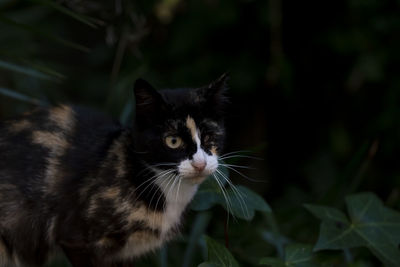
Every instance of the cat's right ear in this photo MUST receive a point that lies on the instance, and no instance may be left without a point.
(149, 102)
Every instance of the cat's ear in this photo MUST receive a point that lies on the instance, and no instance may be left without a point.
(149, 102)
(215, 93)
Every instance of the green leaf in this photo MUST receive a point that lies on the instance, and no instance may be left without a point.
(204, 200)
(208, 195)
(21, 97)
(273, 262)
(326, 213)
(84, 19)
(296, 255)
(219, 255)
(24, 70)
(36, 31)
(371, 225)
(197, 230)
(277, 240)
(45, 69)
(208, 264)
(239, 201)
(245, 202)
(254, 200)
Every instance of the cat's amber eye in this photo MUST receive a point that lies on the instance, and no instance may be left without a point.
(173, 141)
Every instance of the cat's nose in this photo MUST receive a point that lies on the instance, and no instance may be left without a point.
(199, 166)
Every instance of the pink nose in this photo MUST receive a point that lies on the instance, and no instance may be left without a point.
(199, 166)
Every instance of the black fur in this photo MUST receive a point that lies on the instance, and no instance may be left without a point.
(66, 171)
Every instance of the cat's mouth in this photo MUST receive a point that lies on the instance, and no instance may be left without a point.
(197, 170)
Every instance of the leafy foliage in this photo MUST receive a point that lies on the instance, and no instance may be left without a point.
(240, 201)
(218, 255)
(371, 225)
(295, 255)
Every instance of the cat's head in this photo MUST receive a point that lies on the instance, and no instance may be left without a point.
(181, 130)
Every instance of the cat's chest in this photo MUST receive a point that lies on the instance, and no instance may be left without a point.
(164, 225)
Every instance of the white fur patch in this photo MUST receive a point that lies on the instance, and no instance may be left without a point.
(186, 169)
(178, 193)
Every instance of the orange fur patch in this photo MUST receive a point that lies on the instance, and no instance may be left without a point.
(63, 116)
(191, 125)
(20, 126)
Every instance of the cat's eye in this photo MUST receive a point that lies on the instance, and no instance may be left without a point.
(173, 141)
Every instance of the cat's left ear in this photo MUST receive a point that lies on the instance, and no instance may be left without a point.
(149, 103)
(215, 92)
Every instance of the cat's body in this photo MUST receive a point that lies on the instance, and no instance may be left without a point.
(75, 180)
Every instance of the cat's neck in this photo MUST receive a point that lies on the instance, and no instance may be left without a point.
(178, 194)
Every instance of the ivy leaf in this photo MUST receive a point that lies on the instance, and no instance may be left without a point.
(207, 196)
(218, 255)
(296, 255)
(240, 201)
(273, 262)
(208, 264)
(371, 225)
(244, 202)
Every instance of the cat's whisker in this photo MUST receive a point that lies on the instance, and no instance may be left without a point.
(153, 178)
(177, 192)
(236, 152)
(244, 176)
(237, 193)
(237, 166)
(239, 156)
(229, 208)
(169, 179)
(228, 204)
(154, 194)
(174, 180)
(148, 180)
(166, 180)
(148, 169)
(153, 167)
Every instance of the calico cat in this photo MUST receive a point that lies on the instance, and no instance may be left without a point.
(75, 180)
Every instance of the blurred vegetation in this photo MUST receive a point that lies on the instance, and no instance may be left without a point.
(315, 90)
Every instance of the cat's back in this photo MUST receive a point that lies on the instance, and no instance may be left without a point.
(43, 142)
(45, 155)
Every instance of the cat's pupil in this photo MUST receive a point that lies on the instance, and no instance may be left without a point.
(173, 141)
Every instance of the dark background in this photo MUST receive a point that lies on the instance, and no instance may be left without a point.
(314, 85)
